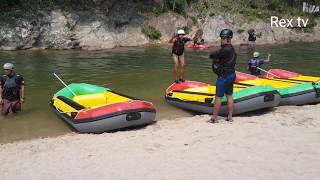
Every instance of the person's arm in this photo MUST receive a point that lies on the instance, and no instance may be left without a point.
(268, 59)
(173, 38)
(1, 91)
(186, 39)
(21, 82)
(22, 93)
(214, 56)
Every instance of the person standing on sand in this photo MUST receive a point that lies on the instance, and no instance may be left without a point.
(11, 90)
(223, 64)
(178, 39)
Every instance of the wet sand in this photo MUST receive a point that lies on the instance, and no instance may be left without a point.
(280, 144)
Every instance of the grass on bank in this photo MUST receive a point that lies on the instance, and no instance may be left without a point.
(151, 32)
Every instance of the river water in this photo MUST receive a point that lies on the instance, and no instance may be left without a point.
(141, 72)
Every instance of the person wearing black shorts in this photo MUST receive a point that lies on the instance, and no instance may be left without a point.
(179, 40)
(224, 61)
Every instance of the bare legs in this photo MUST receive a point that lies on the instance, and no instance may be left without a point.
(176, 68)
(178, 60)
(216, 109)
(182, 68)
(217, 106)
(230, 107)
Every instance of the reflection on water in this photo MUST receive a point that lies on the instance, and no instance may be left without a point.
(142, 72)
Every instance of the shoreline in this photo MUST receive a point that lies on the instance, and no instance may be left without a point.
(160, 44)
(282, 143)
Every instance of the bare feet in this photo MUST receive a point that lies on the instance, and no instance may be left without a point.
(213, 121)
(229, 118)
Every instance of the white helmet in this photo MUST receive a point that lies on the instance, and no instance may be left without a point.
(8, 66)
(181, 31)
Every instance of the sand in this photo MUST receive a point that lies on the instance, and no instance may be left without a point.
(280, 144)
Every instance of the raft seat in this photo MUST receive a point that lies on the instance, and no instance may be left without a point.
(99, 99)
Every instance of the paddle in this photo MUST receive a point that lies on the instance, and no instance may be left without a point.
(268, 72)
(64, 84)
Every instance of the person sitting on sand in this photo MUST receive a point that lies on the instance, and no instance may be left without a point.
(254, 65)
(178, 39)
(223, 64)
(11, 90)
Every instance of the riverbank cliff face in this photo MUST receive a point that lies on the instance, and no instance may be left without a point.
(107, 24)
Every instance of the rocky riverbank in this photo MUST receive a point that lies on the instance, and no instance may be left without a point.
(109, 24)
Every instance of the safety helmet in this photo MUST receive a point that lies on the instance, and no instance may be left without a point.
(181, 31)
(226, 33)
(256, 54)
(8, 66)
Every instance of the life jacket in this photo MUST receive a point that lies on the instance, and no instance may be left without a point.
(10, 85)
(178, 47)
(252, 37)
(253, 65)
(226, 67)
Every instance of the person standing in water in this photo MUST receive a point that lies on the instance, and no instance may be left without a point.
(223, 64)
(178, 39)
(252, 36)
(11, 90)
(197, 38)
(254, 65)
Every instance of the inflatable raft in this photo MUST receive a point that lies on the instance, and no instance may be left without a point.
(283, 74)
(291, 92)
(199, 97)
(94, 109)
(198, 46)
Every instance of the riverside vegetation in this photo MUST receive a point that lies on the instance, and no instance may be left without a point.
(99, 24)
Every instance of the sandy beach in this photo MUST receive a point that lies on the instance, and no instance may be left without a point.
(283, 143)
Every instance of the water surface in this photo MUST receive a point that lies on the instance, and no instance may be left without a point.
(142, 72)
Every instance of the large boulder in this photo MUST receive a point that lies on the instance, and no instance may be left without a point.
(102, 32)
(18, 33)
(212, 28)
(56, 34)
(167, 24)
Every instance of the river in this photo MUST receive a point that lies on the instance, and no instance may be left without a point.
(143, 72)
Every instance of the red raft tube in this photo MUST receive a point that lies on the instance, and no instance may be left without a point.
(200, 46)
(284, 74)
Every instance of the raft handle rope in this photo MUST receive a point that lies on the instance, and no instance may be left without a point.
(316, 89)
(206, 99)
(66, 112)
